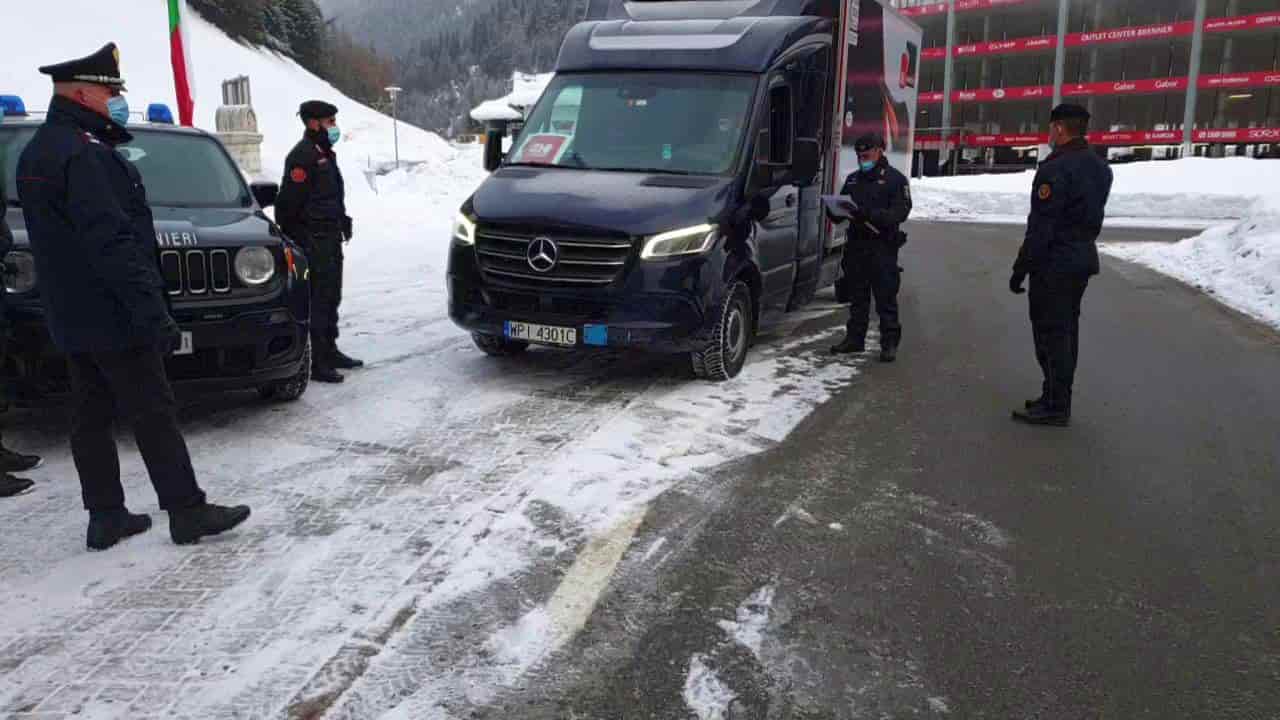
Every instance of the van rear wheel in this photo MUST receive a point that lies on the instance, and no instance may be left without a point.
(725, 351)
(497, 346)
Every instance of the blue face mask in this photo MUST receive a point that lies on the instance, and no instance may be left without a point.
(867, 165)
(119, 109)
(334, 135)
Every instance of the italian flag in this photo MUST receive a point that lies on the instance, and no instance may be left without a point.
(184, 80)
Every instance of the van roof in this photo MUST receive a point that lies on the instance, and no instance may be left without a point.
(741, 43)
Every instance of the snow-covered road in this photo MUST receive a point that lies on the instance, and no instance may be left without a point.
(406, 524)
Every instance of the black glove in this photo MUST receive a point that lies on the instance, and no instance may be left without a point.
(1015, 283)
(170, 336)
(346, 228)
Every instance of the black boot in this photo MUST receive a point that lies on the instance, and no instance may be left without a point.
(11, 486)
(110, 527)
(11, 462)
(187, 526)
(850, 346)
(323, 374)
(1043, 415)
(343, 361)
(1038, 402)
(889, 352)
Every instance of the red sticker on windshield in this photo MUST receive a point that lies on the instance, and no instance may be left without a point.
(298, 175)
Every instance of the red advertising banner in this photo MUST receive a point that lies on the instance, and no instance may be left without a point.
(1130, 34)
(1006, 140)
(1127, 137)
(1242, 135)
(1031, 92)
(931, 98)
(1137, 137)
(1126, 87)
(1247, 22)
(961, 6)
(938, 53)
(1240, 80)
(1000, 47)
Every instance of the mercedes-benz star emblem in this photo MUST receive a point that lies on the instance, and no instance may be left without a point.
(543, 254)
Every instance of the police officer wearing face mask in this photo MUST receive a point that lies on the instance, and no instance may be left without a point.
(311, 209)
(1060, 253)
(105, 304)
(882, 202)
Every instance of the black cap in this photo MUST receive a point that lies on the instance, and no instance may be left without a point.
(100, 68)
(867, 142)
(317, 110)
(1067, 111)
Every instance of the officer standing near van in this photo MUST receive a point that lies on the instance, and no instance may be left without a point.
(1060, 253)
(95, 249)
(312, 211)
(881, 198)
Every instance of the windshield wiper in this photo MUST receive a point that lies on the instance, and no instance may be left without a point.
(658, 171)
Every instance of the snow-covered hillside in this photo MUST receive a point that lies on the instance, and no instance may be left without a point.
(1195, 192)
(279, 85)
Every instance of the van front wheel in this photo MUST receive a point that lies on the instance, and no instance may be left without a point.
(725, 351)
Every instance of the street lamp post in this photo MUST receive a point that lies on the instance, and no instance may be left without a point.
(394, 90)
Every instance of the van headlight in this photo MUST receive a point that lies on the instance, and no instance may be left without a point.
(464, 230)
(19, 272)
(686, 241)
(255, 266)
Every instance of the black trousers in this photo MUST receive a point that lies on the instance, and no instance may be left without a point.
(871, 271)
(1055, 301)
(132, 386)
(324, 255)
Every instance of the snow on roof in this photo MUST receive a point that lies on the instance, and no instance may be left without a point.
(526, 88)
(494, 110)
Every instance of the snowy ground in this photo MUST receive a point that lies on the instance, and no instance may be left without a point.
(1238, 264)
(1191, 193)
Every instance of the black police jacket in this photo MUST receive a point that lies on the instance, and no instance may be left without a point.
(312, 193)
(884, 195)
(1068, 204)
(92, 234)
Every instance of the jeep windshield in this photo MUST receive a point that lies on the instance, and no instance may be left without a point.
(680, 123)
(179, 169)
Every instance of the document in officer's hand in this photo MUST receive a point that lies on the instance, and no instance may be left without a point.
(839, 207)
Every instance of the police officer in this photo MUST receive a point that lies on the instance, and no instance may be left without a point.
(10, 461)
(94, 243)
(312, 211)
(881, 198)
(1060, 253)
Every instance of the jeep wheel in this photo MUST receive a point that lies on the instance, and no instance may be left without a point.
(725, 351)
(292, 388)
(497, 346)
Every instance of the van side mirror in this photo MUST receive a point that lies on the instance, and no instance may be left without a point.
(265, 193)
(494, 134)
(806, 160)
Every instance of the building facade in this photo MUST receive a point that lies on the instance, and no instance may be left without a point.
(1162, 78)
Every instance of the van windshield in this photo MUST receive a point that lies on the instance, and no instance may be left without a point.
(687, 123)
(178, 169)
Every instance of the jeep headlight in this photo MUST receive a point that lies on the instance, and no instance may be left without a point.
(464, 230)
(255, 266)
(686, 241)
(19, 272)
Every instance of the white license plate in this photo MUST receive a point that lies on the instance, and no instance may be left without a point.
(187, 347)
(543, 334)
